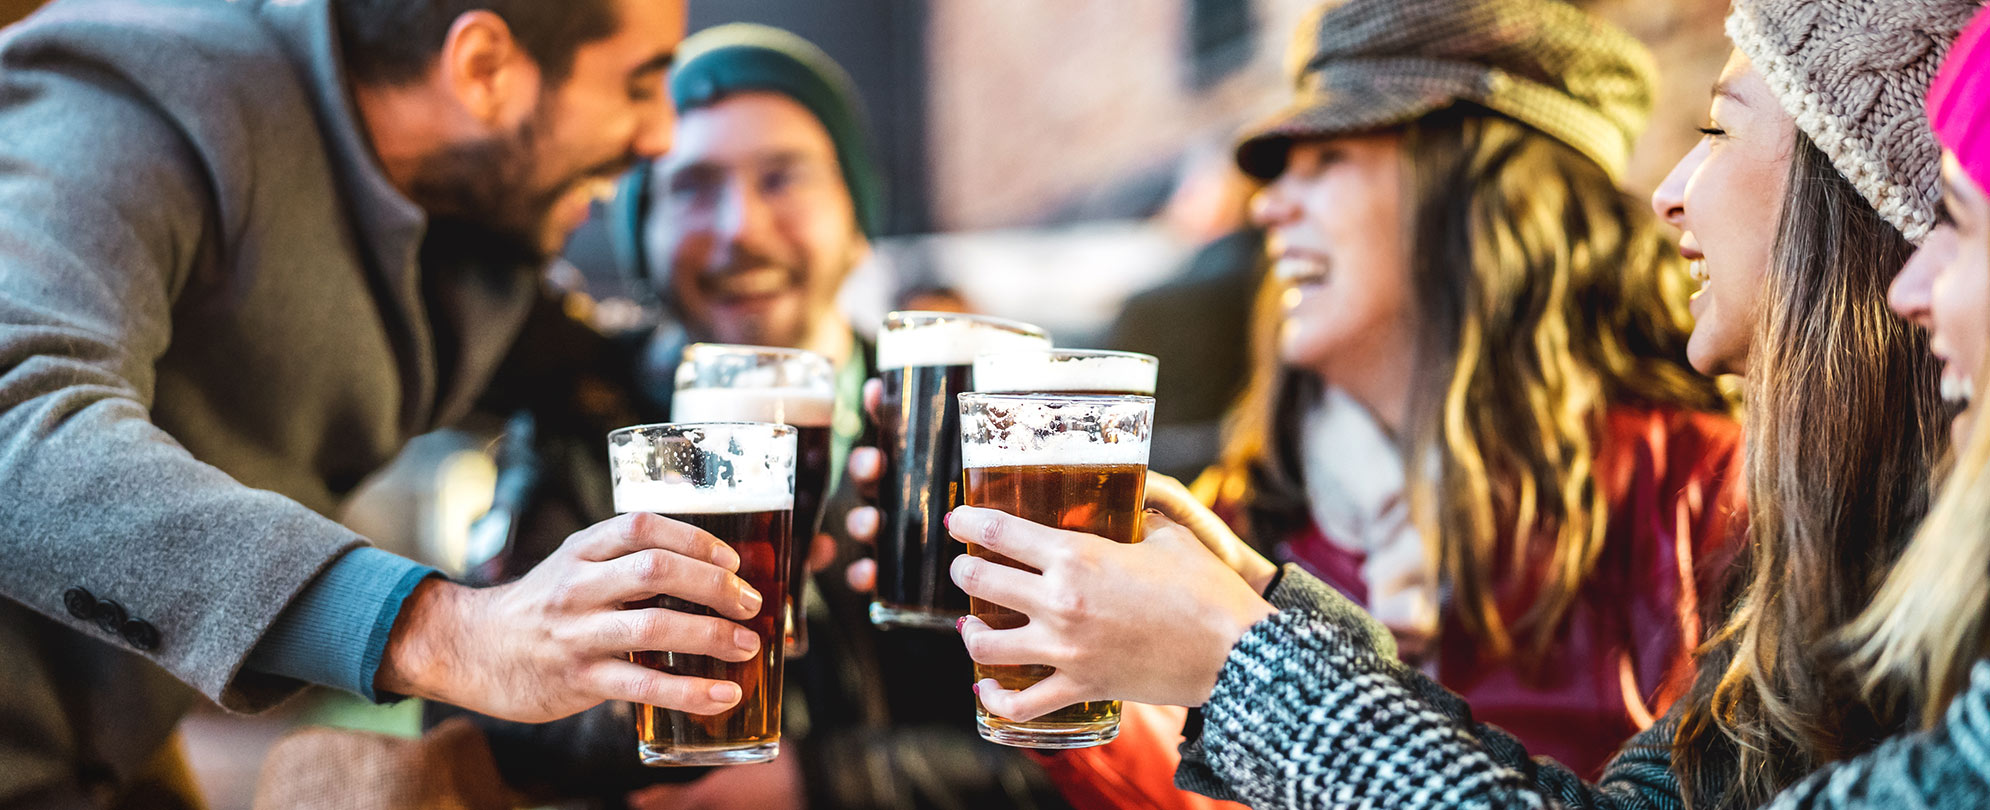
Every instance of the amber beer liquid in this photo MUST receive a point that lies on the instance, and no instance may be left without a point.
(762, 538)
(1073, 462)
(734, 480)
(809, 412)
(926, 360)
(1104, 500)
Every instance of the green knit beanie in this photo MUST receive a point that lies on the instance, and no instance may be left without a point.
(743, 57)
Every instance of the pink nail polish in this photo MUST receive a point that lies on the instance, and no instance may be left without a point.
(947, 520)
(960, 623)
(977, 689)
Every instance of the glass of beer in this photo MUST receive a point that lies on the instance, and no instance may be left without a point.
(1066, 371)
(719, 382)
(1070, 462)
(926, 359)
(735, 480)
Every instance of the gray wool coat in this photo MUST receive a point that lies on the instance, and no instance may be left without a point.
(212, 325)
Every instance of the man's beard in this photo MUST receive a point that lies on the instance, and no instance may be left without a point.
(772, 330)
(481, 193)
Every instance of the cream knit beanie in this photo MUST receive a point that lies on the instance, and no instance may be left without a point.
(1853, 73)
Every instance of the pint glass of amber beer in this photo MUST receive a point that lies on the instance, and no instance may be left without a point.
(926, 359)
(735, 480)
(1072, 462)
(719, 382)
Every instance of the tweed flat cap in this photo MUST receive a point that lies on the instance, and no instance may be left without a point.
(1853, 74)
(1363, 65)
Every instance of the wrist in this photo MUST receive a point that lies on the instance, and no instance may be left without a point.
(420, 648)
(1230, 626)
(1262, 575)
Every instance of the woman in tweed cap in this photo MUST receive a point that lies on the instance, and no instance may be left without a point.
(1459, 280)
(1816, 173)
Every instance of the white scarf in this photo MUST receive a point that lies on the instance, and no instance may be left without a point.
(1355, 486)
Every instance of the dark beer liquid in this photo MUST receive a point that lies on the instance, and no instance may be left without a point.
(920, 429)
(1105, 500)
(762, 540)
(812, 462)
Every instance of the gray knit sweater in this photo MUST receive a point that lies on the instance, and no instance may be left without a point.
(1312, 710)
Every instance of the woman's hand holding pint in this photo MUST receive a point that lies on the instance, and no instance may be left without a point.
(1151, 621)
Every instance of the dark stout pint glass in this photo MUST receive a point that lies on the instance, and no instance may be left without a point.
(1072, 462)
(735, 480)
(926, 359)
(1066, 371)
(719, 382)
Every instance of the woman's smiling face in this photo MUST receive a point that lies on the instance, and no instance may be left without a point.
(1726, 197)
(1945, 289)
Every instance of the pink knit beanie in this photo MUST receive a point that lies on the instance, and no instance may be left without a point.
(1959, 101)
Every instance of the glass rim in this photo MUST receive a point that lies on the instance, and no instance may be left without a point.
(1073, 353)
(748, 349)
(901, 318)
(681, 427)
(1127, 399)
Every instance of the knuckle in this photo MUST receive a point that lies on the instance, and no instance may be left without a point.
(645, 526)
(647, 629)
(978, 646)
(1070, 603)
(973, 574)
(1061, 555)
(564, 595)
(654, 566)
(993, 528)
(719, 583)
(717, 635)
(652, 688)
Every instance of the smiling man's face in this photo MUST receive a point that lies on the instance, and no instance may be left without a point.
(751, 220)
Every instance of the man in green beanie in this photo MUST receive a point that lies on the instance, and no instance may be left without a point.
(747, 229)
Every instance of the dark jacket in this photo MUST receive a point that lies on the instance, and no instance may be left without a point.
(213, 324)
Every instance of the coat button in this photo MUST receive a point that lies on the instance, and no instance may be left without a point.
(110, 616)
(141, 634)
(80, 603)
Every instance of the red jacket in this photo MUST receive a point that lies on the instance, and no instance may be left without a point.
(1623, 651)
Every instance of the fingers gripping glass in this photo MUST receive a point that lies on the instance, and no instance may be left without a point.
(735, 480)
(1070, 462)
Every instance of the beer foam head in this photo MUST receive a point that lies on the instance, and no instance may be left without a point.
(801, 407)
(948, 339)
(1065, 370)
(703, 468)
(1030, 431)
(681, 498)
(725, 365)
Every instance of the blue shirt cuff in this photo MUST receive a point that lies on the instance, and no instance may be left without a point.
(335, 632)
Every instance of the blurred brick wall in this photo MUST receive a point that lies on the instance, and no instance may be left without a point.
(1037, 102)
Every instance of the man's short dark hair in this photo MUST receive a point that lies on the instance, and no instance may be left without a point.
(396, 41)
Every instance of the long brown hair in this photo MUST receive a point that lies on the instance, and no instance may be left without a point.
(1545, 295)
(1844, 430)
